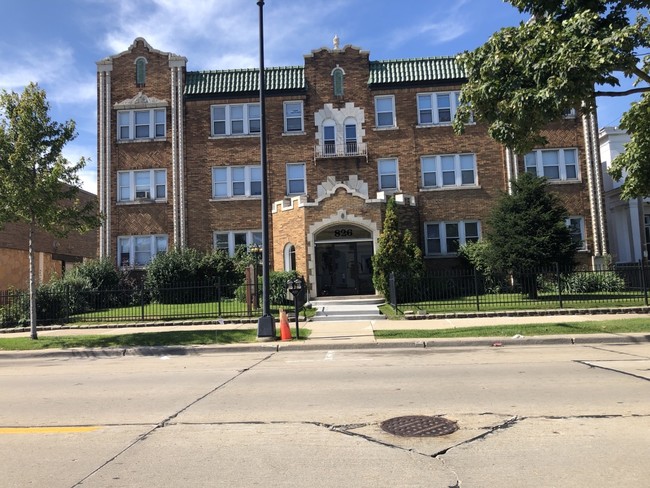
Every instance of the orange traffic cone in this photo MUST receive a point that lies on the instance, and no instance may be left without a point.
(285, 330)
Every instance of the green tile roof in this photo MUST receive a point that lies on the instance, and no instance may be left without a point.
(415, 70)
(243, 80)
(293, 77)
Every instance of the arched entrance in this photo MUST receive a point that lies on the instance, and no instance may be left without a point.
(343, 260)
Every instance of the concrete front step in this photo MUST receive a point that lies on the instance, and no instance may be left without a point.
(347, 309)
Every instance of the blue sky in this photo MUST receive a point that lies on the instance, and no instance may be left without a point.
(56, 43)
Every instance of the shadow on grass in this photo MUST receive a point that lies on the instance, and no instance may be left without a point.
(142, 339)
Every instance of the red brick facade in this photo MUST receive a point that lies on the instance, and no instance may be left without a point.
(339, 215)
(52, 255)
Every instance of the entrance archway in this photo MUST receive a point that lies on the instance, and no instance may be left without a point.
(343, 260)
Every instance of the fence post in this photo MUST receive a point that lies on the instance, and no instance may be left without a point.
(643, 282)
(392, 291)
(142, 300)
(478, 303)
(219, 296)
(559, 283)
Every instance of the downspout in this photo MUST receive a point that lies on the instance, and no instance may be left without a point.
(101, 162)
(174, 161)
(181, 157)
(508, 171)
(108, 198)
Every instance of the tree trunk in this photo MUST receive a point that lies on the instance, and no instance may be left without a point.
(32, 284)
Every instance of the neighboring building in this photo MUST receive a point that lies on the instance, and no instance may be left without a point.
(52, 255)
(179, 162)
(628, 221)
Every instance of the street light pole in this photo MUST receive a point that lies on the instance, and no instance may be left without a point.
(266, 323)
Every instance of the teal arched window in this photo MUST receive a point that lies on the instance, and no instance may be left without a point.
(140, 71)
(338, 75)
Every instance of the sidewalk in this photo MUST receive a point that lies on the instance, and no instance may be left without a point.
(346, 334)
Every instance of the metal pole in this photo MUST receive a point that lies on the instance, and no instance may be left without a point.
(266, 323)
(295, 305)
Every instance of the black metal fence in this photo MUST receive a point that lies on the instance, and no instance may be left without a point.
(65, 304)
(471, 290)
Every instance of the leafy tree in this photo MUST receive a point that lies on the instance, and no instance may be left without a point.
(37, 185)
(527, 230)
(398, 253)
(524, 77)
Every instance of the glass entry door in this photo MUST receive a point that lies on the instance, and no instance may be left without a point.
(344, 268)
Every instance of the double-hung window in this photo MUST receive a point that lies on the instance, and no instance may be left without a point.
(141, 124)
(229, 241)
(296, 179)
(293, 120)
(576, 227)
(554, 164)
(443, 238)
(351, 137)
(448, 170)
(437, 108)
(388, 174)
(385, 111)
(235, 119)
(149, 184)
(236, 181)
(138, 251)
(329, 137)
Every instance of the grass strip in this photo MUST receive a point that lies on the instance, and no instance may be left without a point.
(615, 326)
(140, 339)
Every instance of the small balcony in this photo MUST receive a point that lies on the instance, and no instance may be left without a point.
(346, 150)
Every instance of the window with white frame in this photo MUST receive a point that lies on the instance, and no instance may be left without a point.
(296, 184)
(141, 124)
(329, 137)
(388, 174)
(385, 111)
(138, 251)
(229, 241)
(437, 108)
(293, 120)
(149, 184)
(576, 227)
(235, 119)
(443, 238)
(554, 164)
(236, 181)
(351, 146)
(448, 170)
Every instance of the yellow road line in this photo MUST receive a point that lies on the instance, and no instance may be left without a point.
(45, 430)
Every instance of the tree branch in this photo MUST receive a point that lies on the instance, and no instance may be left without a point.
(621, 93)
(641, 74)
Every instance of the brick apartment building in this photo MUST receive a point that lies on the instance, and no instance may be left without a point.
(179, 162)
(52, 255)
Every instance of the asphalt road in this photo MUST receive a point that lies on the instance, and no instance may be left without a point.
(528, 416)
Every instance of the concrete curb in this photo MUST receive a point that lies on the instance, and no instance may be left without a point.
(272, 347)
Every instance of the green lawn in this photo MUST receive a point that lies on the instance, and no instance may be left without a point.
(513, 301)
(142, 339)
(616, 326)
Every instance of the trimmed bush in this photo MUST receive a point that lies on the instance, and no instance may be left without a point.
(186, 276)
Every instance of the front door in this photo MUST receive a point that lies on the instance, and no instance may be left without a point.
(344, 269)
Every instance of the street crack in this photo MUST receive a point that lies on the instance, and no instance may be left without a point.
(166, 421)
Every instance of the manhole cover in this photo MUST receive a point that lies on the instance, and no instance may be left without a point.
(419, 426)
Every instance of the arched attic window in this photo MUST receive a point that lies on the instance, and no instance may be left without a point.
(337, 79)
(140, 71)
